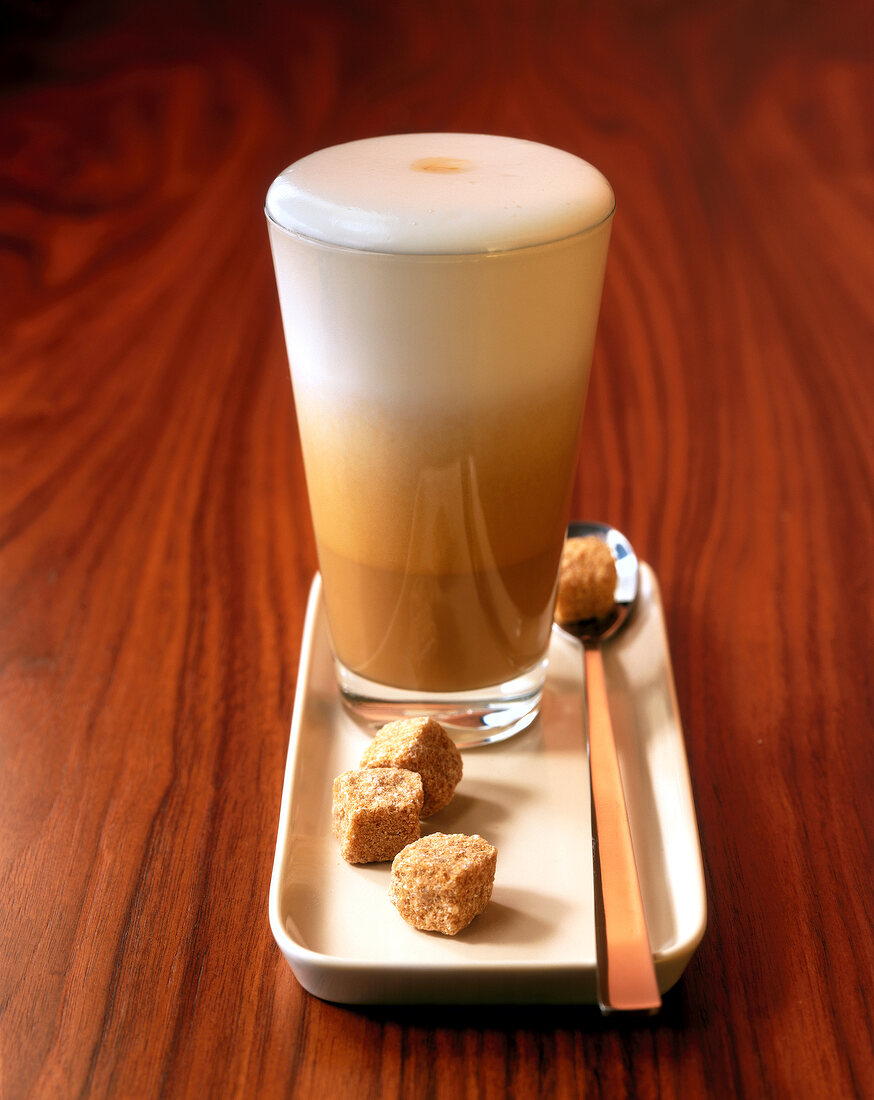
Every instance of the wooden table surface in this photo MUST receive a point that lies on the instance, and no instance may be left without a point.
(156, 550)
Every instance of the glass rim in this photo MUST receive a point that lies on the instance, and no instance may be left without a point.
(456, 255)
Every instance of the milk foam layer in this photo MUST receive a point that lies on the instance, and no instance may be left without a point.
(439, 194)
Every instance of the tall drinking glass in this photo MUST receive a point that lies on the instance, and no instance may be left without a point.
(439, 296)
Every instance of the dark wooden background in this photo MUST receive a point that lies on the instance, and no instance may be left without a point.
(155, 549)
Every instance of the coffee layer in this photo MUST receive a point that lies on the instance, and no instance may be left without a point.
(439, 632)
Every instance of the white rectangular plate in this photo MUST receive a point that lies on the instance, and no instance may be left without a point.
(529, 796)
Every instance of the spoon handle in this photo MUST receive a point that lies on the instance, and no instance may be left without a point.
(626, 974)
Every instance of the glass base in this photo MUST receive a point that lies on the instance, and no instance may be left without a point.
(471, 718)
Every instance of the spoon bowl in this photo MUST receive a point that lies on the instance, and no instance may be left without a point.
(627, 583)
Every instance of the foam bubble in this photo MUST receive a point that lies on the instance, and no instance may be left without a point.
(439, 193)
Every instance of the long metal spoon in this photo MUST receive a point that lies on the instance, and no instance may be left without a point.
(626, 974)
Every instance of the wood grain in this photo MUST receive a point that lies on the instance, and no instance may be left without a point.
(155, 547)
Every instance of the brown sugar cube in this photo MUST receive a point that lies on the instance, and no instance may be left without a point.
(441, 882)
(375, 812)
(587, 582)
(420, 745)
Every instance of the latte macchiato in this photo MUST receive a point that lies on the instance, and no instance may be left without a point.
(440, 295)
